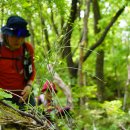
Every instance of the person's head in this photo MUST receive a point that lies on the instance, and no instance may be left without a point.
(15, 31)
(49, 86)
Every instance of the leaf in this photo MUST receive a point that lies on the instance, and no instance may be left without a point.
(4, 94)
(113, 108)
(11, 104)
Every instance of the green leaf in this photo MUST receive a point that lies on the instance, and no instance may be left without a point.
(4, 94)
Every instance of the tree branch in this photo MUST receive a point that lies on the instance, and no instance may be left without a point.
(100, 41)
(66, 90)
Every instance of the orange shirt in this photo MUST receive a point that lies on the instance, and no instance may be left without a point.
(12, 71)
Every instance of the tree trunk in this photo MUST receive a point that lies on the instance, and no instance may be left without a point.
(126, 93)
(82, 45)
(100, 54)
(100, 74)
(66, 40)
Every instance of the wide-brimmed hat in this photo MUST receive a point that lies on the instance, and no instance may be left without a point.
(49, 86)
(16, 26)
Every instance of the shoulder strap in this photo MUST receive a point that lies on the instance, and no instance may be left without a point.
(27, 63)
(1, 44)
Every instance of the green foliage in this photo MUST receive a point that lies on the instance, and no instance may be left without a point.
(4, 94)
(88, 91)
(11, 104)
(113, 108)
(92, 114)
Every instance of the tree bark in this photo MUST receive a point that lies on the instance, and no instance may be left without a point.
(66, 40)
(100, 74)
(97, 16)
(126, 92)
(14, 117)
(100, 54)
(82, 45)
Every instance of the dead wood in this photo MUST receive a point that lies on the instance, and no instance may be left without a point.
(10, 116)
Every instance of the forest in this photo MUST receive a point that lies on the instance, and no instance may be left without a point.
(84, 47)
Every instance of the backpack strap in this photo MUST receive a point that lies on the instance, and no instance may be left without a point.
(27, 62)
(1, 44)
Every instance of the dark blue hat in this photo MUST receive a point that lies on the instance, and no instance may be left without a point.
(16, 26)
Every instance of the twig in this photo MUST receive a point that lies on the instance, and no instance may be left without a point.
(15, 95)
(122, 127)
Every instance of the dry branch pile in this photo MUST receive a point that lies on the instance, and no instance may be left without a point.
(10, 116)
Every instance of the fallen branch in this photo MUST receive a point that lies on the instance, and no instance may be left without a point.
(11, 115)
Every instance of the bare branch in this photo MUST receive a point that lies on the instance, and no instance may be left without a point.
(100, 41)
(66, 90)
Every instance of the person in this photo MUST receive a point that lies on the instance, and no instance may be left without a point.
(17, 69)
(46, 98)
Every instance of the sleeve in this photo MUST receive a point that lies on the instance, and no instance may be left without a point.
(31, 51)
